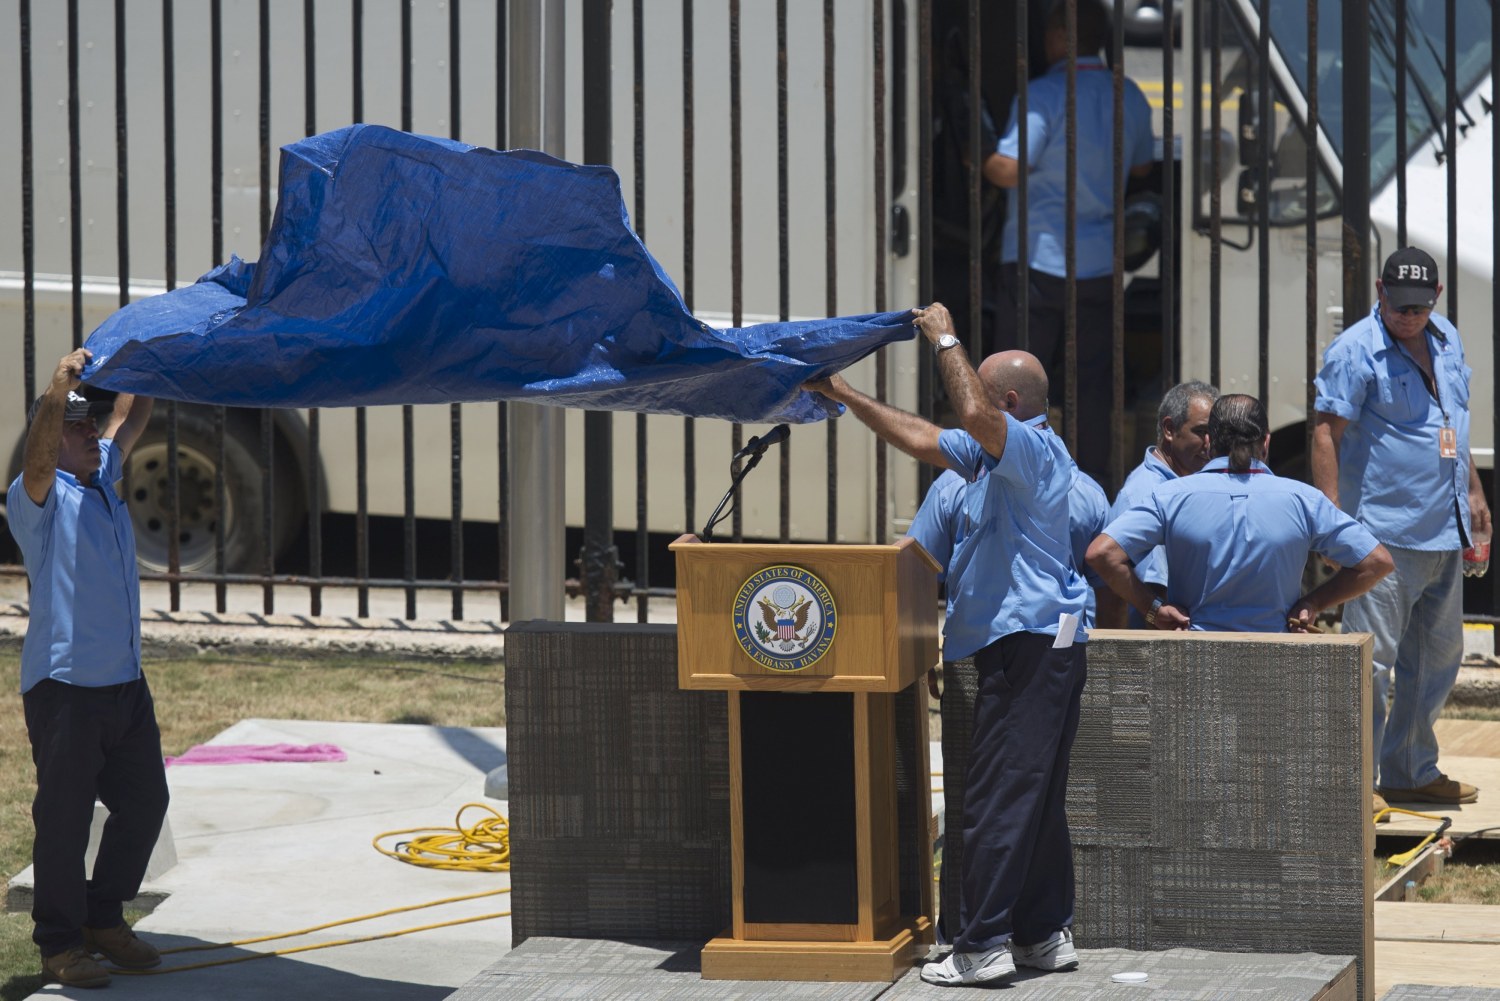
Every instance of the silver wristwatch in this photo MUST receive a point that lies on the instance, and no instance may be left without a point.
(1150, 616)
(945, 342)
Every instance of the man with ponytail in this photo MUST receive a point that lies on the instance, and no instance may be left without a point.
(1236, 538)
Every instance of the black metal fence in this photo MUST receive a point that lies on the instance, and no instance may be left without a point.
(781, 160)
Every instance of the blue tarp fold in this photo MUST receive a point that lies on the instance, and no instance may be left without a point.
(408, 269)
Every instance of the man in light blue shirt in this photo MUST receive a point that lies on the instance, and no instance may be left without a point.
(89, 714)
(1016, 600)
(1391, 447)
(1046, 218)
(1237, 538)
(1181, 449)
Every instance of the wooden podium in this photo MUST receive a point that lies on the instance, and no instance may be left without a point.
(813, 644)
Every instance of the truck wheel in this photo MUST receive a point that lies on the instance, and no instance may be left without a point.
(149, 494)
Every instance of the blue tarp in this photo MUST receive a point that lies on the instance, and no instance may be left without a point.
(408, 269)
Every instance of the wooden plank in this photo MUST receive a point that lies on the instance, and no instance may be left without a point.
(1481, 771)
(1469, 738)
(883, 960)
(1453, 923)
(1344, 987)
(736, 820)
(1429, 862)
(1441, 964)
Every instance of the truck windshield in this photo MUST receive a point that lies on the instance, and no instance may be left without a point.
(1425, 64)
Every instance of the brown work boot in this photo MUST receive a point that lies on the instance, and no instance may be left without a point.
(75, 968)
(120, 946)
(1440, 790)
(1380, 808)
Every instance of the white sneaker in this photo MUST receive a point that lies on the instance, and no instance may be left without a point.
(970, 968)
(1055, 952)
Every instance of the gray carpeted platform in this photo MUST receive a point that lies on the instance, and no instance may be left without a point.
(604, 970)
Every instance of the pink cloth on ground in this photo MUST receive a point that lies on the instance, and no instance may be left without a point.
(244, 754)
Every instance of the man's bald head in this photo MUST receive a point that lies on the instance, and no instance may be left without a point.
(1020, 373)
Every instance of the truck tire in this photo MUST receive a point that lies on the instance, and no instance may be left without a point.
(148, 493)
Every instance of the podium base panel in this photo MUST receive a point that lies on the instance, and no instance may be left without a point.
(883, 960)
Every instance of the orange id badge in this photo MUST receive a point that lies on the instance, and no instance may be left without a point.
(1448, 443)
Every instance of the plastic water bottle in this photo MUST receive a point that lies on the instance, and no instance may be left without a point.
(1477, 557)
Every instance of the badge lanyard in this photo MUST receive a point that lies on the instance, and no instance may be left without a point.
(1447, 434)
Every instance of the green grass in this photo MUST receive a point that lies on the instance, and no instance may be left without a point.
(199, 698)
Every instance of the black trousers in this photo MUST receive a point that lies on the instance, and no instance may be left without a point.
(1045, 339)
(1018, 858)
(87, 743)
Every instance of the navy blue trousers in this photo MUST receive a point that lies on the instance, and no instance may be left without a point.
(89, 742)
(1018, 858)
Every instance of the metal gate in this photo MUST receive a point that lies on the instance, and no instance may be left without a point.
(781, 160)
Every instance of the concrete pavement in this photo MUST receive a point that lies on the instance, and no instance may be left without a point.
(269, 848)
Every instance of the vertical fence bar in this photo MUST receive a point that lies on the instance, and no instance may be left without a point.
(783, 254)
(831, 237)
(1215, 197)
(597, 561)
(642, 443)
(925, 368)
(75, 178)
(1450, 147)
(1117, 273)
(361, 415)
(28, 210)
(1168, 202)
(169, 269)
(736, 236)
(122, 160)
(1401, 151)
(1310, 371)
(1265, 129)
(689, 438)
(267, 423)
(502, 409)
(408, 429)
(882, 242)
(455, 411)
(975, 177)
(1355, 43)
(1023, 181)
(1494, 318)
(1070, 237)
(216, 252)
(314, 422)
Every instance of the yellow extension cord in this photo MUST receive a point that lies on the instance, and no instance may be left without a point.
(483, 847)
(1400, 860)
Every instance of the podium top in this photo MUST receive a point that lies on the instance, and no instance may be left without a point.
(813, 617)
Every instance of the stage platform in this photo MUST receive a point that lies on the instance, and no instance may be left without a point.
(1470, 752)
(605, 970)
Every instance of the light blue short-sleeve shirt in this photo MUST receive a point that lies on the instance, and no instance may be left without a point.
(1236, 543)
(1392, 477)
(1047, 180)
(1140, 484)
(79, 548)
(940, 526)
(1014, 571)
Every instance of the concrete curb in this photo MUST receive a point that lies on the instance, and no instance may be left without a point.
(185, 635)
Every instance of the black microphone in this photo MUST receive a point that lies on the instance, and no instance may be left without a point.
(775, 436)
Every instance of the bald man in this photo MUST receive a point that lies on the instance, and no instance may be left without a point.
(1017, 601)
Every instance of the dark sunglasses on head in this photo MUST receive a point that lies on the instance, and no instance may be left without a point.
(1413, 310)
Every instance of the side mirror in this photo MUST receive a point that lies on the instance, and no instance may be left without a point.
(1248, 194)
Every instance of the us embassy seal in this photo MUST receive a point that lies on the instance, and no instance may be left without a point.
(784, 618)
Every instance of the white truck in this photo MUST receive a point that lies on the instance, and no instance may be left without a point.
(1468, 279)
(669, 139)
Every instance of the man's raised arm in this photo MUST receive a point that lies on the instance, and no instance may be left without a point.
(44, 437)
